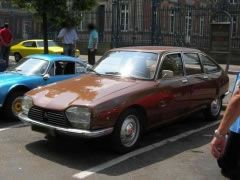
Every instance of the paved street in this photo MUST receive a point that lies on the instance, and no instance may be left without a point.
(178, 151)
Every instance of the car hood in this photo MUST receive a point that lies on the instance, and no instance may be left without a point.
(84, 91)
(11, 77)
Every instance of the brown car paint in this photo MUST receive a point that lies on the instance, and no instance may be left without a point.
(162, 100)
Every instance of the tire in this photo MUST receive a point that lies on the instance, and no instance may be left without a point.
(213, 110)
(17, 57)
(129, 124)
(8, 105)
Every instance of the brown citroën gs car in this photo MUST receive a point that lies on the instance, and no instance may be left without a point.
(129, 90)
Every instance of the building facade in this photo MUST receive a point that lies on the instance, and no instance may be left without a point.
(160, 22)
(22, 24)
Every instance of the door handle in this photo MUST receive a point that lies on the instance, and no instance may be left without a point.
(205, 77)
(184, 80)
(162, 104)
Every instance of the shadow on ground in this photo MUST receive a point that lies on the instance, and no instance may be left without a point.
(81, 155)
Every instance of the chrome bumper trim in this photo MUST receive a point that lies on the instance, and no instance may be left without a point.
(77, 132)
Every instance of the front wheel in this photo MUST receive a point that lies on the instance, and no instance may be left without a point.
(214, 109)
(12, 105)
(127, 131)
(17, 57)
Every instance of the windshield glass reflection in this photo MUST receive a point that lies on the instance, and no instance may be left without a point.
(31, 66)
(140, 65)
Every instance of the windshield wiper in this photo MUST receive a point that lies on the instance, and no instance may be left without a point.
(113, 73)
(92, 70)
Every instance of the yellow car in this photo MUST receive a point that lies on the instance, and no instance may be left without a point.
(35, 46)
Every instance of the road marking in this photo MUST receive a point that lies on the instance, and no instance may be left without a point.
(91, 171)
(11, 127)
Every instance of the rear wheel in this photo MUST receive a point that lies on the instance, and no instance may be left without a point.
(17, 57)
(214, 109)
(12, 105)
(127, 131)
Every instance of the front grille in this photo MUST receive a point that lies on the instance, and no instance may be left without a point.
(49, 117)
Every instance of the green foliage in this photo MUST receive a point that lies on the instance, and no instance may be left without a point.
(57, 11)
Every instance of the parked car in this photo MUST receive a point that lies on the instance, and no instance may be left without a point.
(129, 91)
(32, 72)
(36, 46)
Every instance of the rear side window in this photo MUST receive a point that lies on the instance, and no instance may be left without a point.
(208, 65)
(30, 44)
(192, 63)
(173, 62)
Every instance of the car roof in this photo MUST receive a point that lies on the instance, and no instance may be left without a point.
(156, 49)
(54, 57)
(37, 40)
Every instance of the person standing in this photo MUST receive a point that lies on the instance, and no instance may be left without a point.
(6, 39)
(92, 43)
(69, 37)
(227, 150)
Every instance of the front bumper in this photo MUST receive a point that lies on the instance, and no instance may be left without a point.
(76, 132)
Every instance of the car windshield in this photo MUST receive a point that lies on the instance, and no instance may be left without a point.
(50, 44)
(141, 65)
(31, 66)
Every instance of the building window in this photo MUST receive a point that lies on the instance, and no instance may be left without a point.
(201, 26)
(80, 26)
(188, 23)
(234, 26)
(124, 17)
(233, 1)
(172, 21)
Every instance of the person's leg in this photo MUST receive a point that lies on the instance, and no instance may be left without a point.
(71, 50)
(90, 57)
(94, 56)
(230, 161)
(7, 52)
(65, 49)
(4, 56)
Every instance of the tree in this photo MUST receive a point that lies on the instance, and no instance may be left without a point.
(55, 11)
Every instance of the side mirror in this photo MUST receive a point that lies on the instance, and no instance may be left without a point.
(46, 77)
(167, 74)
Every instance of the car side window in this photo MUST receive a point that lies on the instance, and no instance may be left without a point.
(64, 68)
(173, 62)
(192, 63)
(29, 44)
(80, 68)
(208, 65)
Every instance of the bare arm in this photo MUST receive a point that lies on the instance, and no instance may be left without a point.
(231, 114)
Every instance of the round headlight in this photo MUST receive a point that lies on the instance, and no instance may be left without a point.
(27, 103)
(79, 117)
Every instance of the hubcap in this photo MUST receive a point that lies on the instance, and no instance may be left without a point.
(130, 131)
(17, 106)
(216, 107)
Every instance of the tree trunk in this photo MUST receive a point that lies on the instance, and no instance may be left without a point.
(45, 32)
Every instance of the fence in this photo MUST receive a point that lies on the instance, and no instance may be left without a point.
(148, 22)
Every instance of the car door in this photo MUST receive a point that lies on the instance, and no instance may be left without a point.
(29, 48)
(212, 73)
(171, 92)
(60, 70)
(197, 80)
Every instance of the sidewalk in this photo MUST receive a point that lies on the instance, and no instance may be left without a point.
(233, 69)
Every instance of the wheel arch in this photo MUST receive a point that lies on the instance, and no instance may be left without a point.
(14, 89)
(143, 112)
